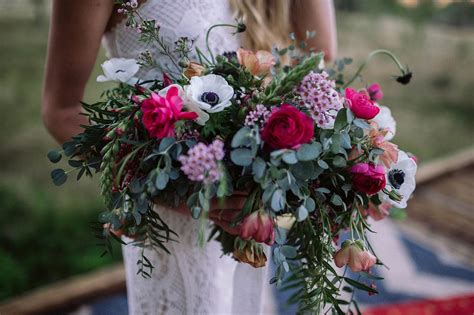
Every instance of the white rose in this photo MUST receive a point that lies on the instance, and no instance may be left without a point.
(385, 120)
(120, 70)
(210, 93)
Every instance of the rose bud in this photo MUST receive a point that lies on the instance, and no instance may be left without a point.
(375, 92)
(353, 255)
(193, 69)
(250, 254)
(361, 105)
(368, 178)
(287, 128)
(166, 80)
(259, 227)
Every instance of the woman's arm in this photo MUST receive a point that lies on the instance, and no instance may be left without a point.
(76, 30)
(319, 16)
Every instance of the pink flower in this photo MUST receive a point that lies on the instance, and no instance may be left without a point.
(161, 113)
(200, 164)
(354, 255)
(258, 226)
(390, 150)
(377, 213)
(258, 63)
(375, 92)
(361, 105)
(368, 178)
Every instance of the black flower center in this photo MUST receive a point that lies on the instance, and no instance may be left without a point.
(396, 178)
(210, 98)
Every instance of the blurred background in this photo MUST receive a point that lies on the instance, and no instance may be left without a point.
(44, 235)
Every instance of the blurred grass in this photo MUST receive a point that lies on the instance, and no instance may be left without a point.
(44, 233)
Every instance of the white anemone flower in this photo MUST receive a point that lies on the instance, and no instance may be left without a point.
(210, 93)
(401, 179)
(385, 120)
(120, 70)
(203, 117)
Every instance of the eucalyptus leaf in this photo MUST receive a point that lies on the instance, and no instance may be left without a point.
(278, 200)
(242, 157)
(323, 164)
(302, 213)
(309, 152)
(289, 157)
(166, 143)
(258, 167)
(162, 180)
(339, 161)
(241, 138)
(288, 251)
(336, 200)
(310, 204)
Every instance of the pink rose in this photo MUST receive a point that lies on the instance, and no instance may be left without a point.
(161, 113)
(258, 226)
(368, 178)
(287, 128)
(354, 255)
(375, 92)
(258, 63)
(361, 105)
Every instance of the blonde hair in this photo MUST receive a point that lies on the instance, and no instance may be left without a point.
(268, 22)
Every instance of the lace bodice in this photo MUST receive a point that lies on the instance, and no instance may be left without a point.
(177, 18)
(190, 280)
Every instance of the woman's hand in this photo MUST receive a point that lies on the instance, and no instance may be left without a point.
(222, 212)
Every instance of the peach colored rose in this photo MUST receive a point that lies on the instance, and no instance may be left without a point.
(258, 63)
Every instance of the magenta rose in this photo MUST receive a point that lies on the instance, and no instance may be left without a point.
(375, 92)
(161, 113)
(287, 128)
(368, 178)
(258, 226)
(361, 105)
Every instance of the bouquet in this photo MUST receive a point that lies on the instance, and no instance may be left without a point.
(312, 156)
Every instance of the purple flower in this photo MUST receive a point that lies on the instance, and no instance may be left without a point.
(319, 96)
(201, 162)
(258, 116)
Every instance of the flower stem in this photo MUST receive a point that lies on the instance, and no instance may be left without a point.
(209, 32)
(369, 57)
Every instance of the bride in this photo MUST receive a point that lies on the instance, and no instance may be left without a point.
(190, 280)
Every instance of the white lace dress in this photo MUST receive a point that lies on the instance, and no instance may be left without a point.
(191, 280)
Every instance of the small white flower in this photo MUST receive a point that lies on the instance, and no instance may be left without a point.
(203, 117)
(210, 93)
(401, 179)
(385, 120)
(120, 70)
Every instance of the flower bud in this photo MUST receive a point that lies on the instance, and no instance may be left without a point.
(353, 255)
(193, 69)
(259, 227)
